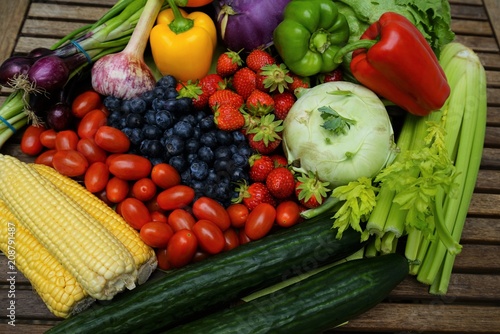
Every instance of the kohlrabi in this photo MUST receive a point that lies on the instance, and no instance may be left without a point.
(339, 130)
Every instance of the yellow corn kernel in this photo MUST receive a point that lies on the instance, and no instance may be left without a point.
(97, 259)
(58, 289)
(144, 256)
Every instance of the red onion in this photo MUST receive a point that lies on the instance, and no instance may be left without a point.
(125, 74)
(12, 68)
(248, 24)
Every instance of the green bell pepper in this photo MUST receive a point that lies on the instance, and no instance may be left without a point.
(310, 35)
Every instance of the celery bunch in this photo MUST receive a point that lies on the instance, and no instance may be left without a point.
(425, 193)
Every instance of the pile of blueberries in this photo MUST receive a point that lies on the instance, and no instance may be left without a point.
(164, 127)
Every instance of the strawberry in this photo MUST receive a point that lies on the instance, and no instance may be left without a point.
(259, 103)
(193, 90)
(275, 77)
(228, 63)
(281, 182)
(211, 83)
(254, 194)
(228, 118)
(279, 160)
(310, 191)
(260, 167)
(264, 137)
(225, 96)
(283, 102)
(335, 75)
(298, 82)
(244, 82)
(258, 58)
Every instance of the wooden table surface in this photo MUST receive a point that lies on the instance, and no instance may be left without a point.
(472, 304)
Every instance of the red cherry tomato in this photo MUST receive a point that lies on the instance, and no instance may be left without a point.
(260, 221)
(130, 166)
(91, 122)
(287, 213)
(243, 238)
(70, 163)
(200, 256)
(46, 158)
(111, 139)
(48, 138)
(181, 219)
(144, 189)
(30, 141)
(117, 189)
(162, 258)
(85, 102)
(158, 216)
(210, 236)
(165, 175)
(156, 234)
(176, 197)
(238, 214)
(231, 238)
(91, 151)
(96, 177)
(66, 140)
(209, 209)
(181, 248)
(197, 3)
(134, 212)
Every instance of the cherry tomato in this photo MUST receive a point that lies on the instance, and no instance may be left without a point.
(96, 177)
(144, 189)
(165, 175)
(287, 213)
(243, 238)
(134, 212)
(70, 163)
(181, 219)
(85, 102)
(231, 238)
(30, 141)
(176, 197)
(210, 236)
(156, 234)
(130, 166)
(181, 248)
(158, 216)
(91, 122)
(197, 3)
(66, 140)
(238, 214)
(260, 221)
(162, 258)
(112, 139)
(209, 209)
(117, 189)
(91, 151)
(48, 138)
(200, 256)
(46, 158)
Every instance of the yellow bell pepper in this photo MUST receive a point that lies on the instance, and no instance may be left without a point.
(183, 44)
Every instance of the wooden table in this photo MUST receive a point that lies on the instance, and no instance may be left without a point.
(472, 304)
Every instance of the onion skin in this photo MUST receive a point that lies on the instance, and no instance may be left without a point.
(49, 73)
(122, 75)
(252, 24)
(14, 67)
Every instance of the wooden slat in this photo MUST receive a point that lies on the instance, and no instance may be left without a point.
(53, 28)
(485, 205)
(46, 11)
(491, 137)
(493, 11)
(11, 18)
(493, 116)
(490, 158)
(468, 12)
(481, 231)
(474, 26)
(488, 181)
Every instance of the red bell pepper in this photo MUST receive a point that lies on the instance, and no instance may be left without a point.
(400, 66)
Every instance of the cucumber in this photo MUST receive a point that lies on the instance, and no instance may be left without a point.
(215, 282)
(320, 302)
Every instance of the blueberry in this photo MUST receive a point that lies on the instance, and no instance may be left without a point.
(164, 119)
(189, 118)
(198, 186)
(159, 92)
(206, 154)
(192, 145)
(222, 165)
(178, 162)
(156, 160)
(222, 152)
(127, 132)
(191, 157)
(186, 177)
(183, 129)
(199, 115)
(122, 123)
(151, 132)
(114, 118)
(168, 132)
(174, 145)
(239, 161)
(149, 117)
(137, 105)
(148, 96)
(134, 120)
(221, 192)
(171, 93)
(151, 148)
(199, 170)
(196, 132)
(223, 137)
(136, 136)
(159, 104)
(207, 123)
(167, 81)
(238, 174)
(238, 137)
(245, 150)
(112, 103)
(209, 139)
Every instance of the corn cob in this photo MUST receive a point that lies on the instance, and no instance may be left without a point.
(144, 256)
(58, 289)
(99, 261)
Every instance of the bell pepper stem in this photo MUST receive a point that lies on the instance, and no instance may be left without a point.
(179, 24)
(361, 44)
